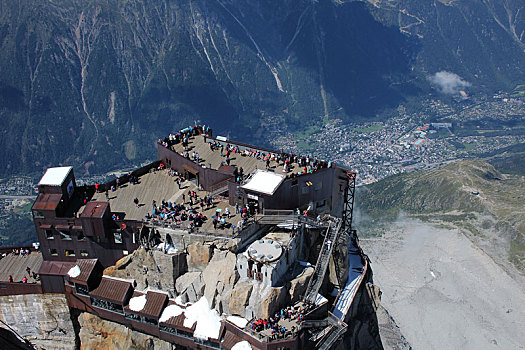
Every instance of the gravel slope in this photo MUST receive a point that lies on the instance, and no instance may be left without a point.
(444, 292)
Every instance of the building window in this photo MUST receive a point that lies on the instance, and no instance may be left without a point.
(103, 304)
(69, 252)
(118, 237)
(84, 253)
(37, 214)
(81, 289)
(133, 317)
(49, 234)
(53, 252)
(150, 321)
(294, 182)
(65, 235)
(80, 236)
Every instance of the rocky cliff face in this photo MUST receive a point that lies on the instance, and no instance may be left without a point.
(42, 319)
(96, 333)
(152, 269)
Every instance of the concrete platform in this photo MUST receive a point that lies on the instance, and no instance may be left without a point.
(15, 265)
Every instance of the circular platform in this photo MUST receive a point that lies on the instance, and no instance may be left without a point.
(265, 250)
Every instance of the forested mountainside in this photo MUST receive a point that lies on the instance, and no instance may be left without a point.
(94, 83)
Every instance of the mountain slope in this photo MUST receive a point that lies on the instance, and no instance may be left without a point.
(95, 83)
(470, 195)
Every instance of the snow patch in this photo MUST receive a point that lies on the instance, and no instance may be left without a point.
(240, 322)
(167, 248)
(179, 301)
(242, 345)
(208, 320)
(137, 303)
(74, 271)
(171, 311)
(320, 300)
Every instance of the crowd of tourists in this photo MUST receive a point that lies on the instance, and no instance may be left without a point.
(183, 135)
(184, 212)
(306, 164)
(278, 331)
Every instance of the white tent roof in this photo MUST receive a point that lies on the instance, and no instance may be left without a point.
(55, 176)
(263, 182)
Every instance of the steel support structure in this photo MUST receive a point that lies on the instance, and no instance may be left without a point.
(346, 228)
(348, 205)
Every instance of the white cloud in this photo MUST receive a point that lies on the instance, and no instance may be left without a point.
(448, 82)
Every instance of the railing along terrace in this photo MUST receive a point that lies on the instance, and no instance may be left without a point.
(225, 233)
(220, 184)
(278, 212)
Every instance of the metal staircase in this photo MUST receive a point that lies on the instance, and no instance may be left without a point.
(335, 334)
(323, 260)
(337, 234)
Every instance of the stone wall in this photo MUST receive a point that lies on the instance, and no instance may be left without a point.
(43, 319)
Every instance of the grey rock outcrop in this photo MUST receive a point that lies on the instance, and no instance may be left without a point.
(96, 333)
(184, 281)
(274, 299)
(221, 269)
(299, 284)
(240, 297)
(199, 254)
(150, 268)
(41, 318)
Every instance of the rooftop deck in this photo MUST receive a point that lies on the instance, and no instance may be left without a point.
(160, 186)
(213, 159)
(156, 186)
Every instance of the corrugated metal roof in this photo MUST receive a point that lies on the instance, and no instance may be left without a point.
(230, 340)
(177, 321)
(47, 201)
(86, 268)
(155, 303)
(111, 289)
(55, 268)
(94, 209)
